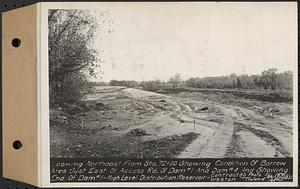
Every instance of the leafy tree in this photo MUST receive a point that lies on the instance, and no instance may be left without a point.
(191, 82)
(124, 83)
(284, 81)
(152, 85)
(268, 79)
(238, 83)
(176, 80)
(72, 58)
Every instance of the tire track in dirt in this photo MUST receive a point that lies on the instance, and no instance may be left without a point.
(236, 136)
(252, 136)
(216, 135)
(236, 146)
(229, 132)
(269, 139)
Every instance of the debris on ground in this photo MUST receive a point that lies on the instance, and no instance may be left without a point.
(215, 119)
(162, 100)
(116, 129)
(257, 108)
(271, 115)
(273, 110)
(137, 132)
(200, 109)
(100, 106)
(58, 117)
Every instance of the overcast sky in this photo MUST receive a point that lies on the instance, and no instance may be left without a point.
(156, 40)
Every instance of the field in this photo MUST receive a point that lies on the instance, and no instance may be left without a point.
(176, 123)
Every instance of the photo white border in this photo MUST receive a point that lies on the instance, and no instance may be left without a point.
(44, 137)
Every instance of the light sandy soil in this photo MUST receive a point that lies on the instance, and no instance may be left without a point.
(245, 128)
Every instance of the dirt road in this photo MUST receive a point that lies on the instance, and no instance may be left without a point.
(224, 130)
(184, 125)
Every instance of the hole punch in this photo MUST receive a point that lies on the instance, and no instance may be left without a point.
(17, 144)
(16, 42)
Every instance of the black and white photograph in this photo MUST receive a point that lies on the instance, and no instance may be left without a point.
(172, 80)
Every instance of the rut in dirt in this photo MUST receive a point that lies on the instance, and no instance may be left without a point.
(237, 146)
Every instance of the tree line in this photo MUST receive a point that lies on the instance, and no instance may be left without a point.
(72, 61)
(269, 79)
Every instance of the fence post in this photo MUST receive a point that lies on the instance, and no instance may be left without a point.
(194, 124)
(81, 122)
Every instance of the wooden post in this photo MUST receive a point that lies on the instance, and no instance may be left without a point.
(194, 124)
(81, 122)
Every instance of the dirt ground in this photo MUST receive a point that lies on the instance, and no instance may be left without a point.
(127, 122)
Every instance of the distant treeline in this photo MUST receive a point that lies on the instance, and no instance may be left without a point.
(269, 80)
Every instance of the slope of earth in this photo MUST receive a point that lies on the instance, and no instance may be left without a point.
(126, 122)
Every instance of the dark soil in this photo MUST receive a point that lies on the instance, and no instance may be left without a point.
(87, 143)
(263, 96)
(136, 132)
(168, 147)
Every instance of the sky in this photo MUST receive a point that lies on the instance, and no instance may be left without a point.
(148, 41)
